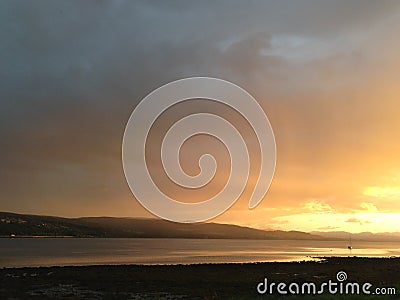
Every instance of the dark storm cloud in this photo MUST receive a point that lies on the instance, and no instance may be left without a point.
(72, 71)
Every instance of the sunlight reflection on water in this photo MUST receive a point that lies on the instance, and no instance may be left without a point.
(70, 251)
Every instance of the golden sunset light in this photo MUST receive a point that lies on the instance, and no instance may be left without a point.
(200, 149)
(387, 192)
(330, 93)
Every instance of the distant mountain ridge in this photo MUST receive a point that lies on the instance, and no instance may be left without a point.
(21, 225)
(362, 236)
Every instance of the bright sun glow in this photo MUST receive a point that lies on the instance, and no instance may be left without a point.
(388, 192)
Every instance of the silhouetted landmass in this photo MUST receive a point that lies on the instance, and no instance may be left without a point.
(362, 236)
(19, 225)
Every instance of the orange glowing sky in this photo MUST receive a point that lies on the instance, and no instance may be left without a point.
(326, 73)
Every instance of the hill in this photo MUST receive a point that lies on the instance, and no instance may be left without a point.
(21, 225)
(362, 236)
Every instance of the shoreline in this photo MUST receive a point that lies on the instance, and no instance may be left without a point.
(197, 281)
(321, 238)
(316, 259)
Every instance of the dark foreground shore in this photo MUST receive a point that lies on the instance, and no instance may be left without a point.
(208, 281)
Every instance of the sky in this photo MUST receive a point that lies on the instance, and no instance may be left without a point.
(325, 73)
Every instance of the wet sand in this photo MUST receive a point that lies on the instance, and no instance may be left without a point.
(205, 281)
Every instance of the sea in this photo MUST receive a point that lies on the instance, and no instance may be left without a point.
(35, 252)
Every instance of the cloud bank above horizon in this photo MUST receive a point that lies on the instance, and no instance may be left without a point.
(325, 72)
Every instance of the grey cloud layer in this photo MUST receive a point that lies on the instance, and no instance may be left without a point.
(72, 71)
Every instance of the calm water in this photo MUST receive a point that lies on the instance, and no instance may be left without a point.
(70, 251)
